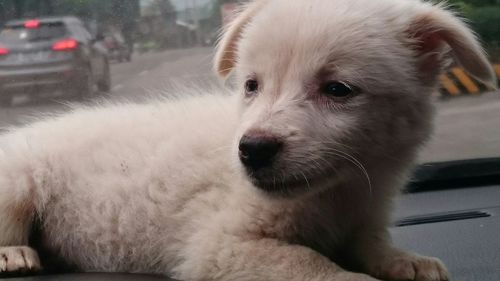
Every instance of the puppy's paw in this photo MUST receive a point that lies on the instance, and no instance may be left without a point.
(414, 268)
(18, 259)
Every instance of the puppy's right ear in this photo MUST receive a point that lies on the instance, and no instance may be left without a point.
(226, 55)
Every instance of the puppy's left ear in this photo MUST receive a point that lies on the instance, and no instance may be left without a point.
(226, 55)
(431, 29)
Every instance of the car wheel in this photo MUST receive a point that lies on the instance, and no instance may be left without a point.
(105, 84)
(87, 85)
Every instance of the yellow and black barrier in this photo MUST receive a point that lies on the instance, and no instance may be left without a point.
(457, 82)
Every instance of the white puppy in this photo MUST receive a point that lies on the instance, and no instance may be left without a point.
(291, 178)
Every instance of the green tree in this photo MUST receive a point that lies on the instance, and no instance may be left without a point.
(484, 18)
(117, 10)
(476, 3)
(25, 8)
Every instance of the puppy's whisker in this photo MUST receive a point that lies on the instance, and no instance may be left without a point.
(305, 178)
(332, 144)
(354, 161)
(329, 165)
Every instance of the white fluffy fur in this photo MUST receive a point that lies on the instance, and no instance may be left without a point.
(158, 188)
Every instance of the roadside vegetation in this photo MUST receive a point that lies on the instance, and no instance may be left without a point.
(484, 17)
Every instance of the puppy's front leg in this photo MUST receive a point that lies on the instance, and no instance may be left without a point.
(264, 259)
(381, 259)
(17, 208)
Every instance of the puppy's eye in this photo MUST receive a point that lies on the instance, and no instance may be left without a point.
(251, 87)
(336, 89)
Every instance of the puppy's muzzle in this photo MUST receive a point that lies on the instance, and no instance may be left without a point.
(258, 151)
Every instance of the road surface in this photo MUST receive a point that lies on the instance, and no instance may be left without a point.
(466, 127)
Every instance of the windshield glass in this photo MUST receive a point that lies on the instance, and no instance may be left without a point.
(150, 45)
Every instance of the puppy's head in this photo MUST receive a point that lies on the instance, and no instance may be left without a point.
(331, 87)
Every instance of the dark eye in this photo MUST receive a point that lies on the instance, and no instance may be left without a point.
(251, 86)
(337, 89)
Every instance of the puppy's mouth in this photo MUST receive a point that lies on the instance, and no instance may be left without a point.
(287, 185)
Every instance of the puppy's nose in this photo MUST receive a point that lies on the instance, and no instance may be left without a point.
(258, 151)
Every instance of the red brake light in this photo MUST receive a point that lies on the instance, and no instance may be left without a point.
(4, 51)
(32, 24)
(65, 45)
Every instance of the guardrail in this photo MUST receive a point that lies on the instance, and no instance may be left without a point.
(457, 82)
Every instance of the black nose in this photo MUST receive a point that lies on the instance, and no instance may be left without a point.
(258, 151)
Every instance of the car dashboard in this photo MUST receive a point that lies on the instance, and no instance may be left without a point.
(459, 226)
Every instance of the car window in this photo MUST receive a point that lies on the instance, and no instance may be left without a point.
(164, 38)
(20, 34)
(84, 32)
(79, 31)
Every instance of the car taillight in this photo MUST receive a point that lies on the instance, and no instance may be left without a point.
(32, 24)
(65, 45)
(4, 51)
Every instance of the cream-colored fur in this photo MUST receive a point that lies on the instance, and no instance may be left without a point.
(159, 188)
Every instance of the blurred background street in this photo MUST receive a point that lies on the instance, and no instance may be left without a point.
(147, 46)
(151, 74)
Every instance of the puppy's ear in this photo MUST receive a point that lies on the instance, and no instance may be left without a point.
(435, 29)
(226, 55)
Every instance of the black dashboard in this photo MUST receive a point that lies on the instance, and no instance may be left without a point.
(460, 226)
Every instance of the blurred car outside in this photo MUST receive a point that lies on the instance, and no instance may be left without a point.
(51, 55)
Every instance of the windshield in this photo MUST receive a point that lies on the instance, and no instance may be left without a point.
(21, 34)
(150, 45)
